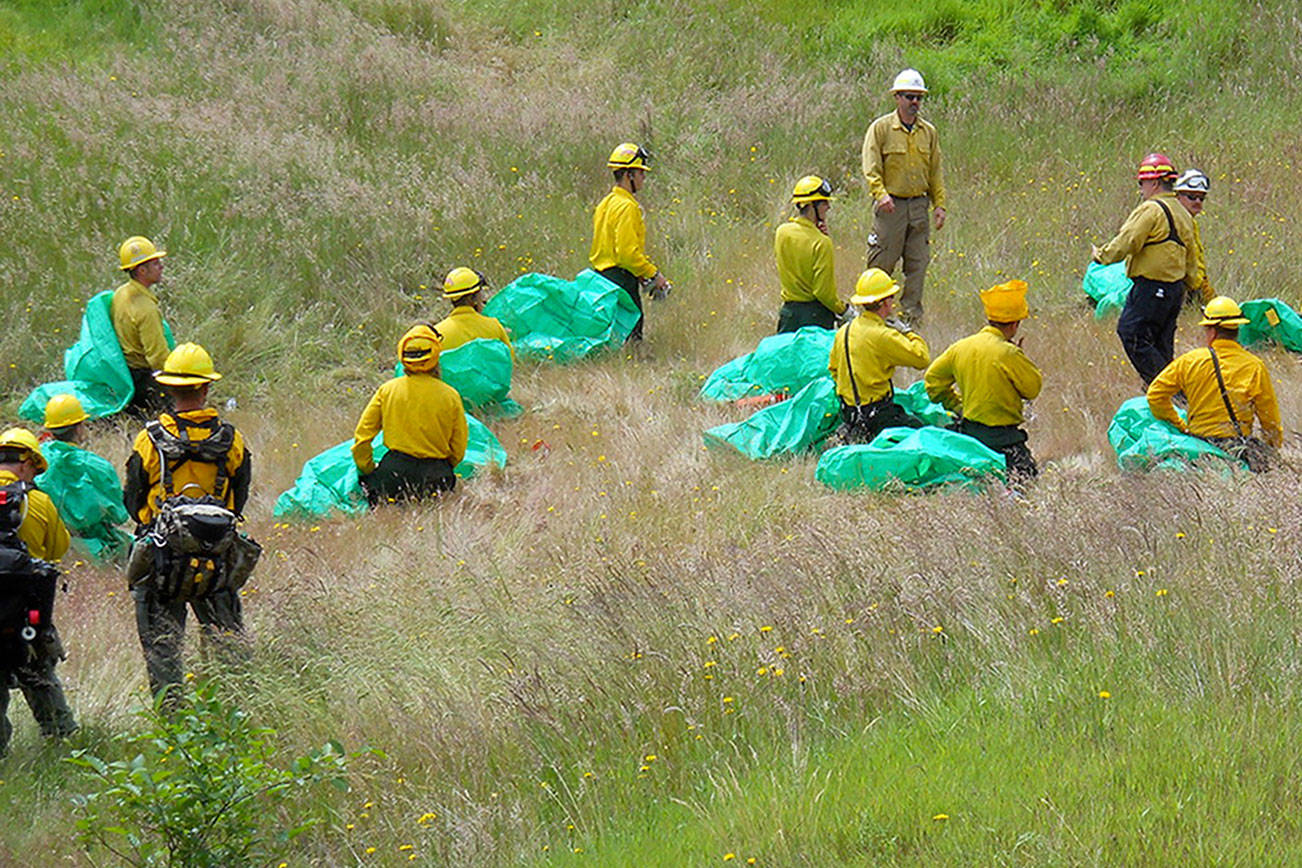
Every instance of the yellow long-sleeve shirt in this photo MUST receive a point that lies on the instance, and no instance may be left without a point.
(876, 350)
(143, 491)
(465, 324)
(1142, 242)
(139, 326)
(1198, 281)
(1246, 382)
(805, 268)
(419, 414)
(42, 530)
(903, 162)
(993, 376)
(619, 235)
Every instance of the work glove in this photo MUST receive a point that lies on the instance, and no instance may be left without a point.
(899, 325)
(847, 315)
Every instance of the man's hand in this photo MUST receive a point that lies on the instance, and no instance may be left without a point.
(886, 204)
(939, 217)
(899, 325)
(847, 315)
(1095, 252)
(659, 289)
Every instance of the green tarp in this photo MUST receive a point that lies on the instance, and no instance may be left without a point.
(1108, 286)
(1270, 319)
(1143, 442)
(86, 490)
(789, 427)
(805, 420)
(93, 368)
(480, 371)
(781, 363)
(328, 482)
(911, 458)
(563, 320)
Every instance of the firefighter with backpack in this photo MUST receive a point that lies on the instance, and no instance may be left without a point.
(32, 537)
(187, 481)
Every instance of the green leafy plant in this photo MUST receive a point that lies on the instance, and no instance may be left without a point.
(202, 789)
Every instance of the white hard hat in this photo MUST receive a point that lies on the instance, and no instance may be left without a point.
(1192, 181)
(909, 80)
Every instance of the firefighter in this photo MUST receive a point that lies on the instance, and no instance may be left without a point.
(804, 254)
(619, 235)
(901, 160)
(37, 531)
(1225, 386)
(424, 425)
(139, 323)
(209, 457)
(865, 353)
(985, 378)
(1157, 243)
(1191, 189)
(465, 287)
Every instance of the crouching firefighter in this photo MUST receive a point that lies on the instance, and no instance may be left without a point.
(865, 353)
(31, 536)
(187, 481)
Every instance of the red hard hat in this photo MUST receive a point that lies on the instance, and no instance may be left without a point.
(1156, 167)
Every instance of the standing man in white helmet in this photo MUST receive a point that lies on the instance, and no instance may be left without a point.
(618, 234)
(804, 254)
(901, 160)
(1191, 189)
(139, 323)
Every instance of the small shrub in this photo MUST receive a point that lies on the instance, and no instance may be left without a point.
(202, 790)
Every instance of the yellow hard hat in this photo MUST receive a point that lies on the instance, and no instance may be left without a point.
(418, 350)
(1006, 302)
(22, 440)
(136, 250)
(187, 365)
(628, 156)
(63, 411)
(811, 188)
(462, 281)
(1223, 311)
(873, 286)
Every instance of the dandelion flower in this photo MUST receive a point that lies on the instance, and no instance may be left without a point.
(940, 818)
(1103, 694)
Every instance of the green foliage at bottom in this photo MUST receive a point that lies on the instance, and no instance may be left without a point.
(202, 790)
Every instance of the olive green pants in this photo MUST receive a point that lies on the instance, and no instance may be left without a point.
(904, 233)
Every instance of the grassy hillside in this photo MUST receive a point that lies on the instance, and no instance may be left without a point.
(624, 649)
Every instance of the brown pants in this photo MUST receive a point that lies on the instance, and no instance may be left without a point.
(905, 232)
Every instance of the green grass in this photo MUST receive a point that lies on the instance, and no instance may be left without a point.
(64, 31)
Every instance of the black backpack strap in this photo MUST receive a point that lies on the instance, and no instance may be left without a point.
(854, 387)
(1225, 395)
(1171, 233)
(182, 448)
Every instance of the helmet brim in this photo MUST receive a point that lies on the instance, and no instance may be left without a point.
(185, 379)
(158, 254)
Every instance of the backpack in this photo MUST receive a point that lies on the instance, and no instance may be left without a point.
(27, 584)
(193, 548)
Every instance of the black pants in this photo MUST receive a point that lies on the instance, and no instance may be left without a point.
(1251, 451)
(1009, 441)
(147, 397)
(798, 314)
(1147, 325)
(861, 424)
(41, 688)
(400, 476)
(627, 281)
